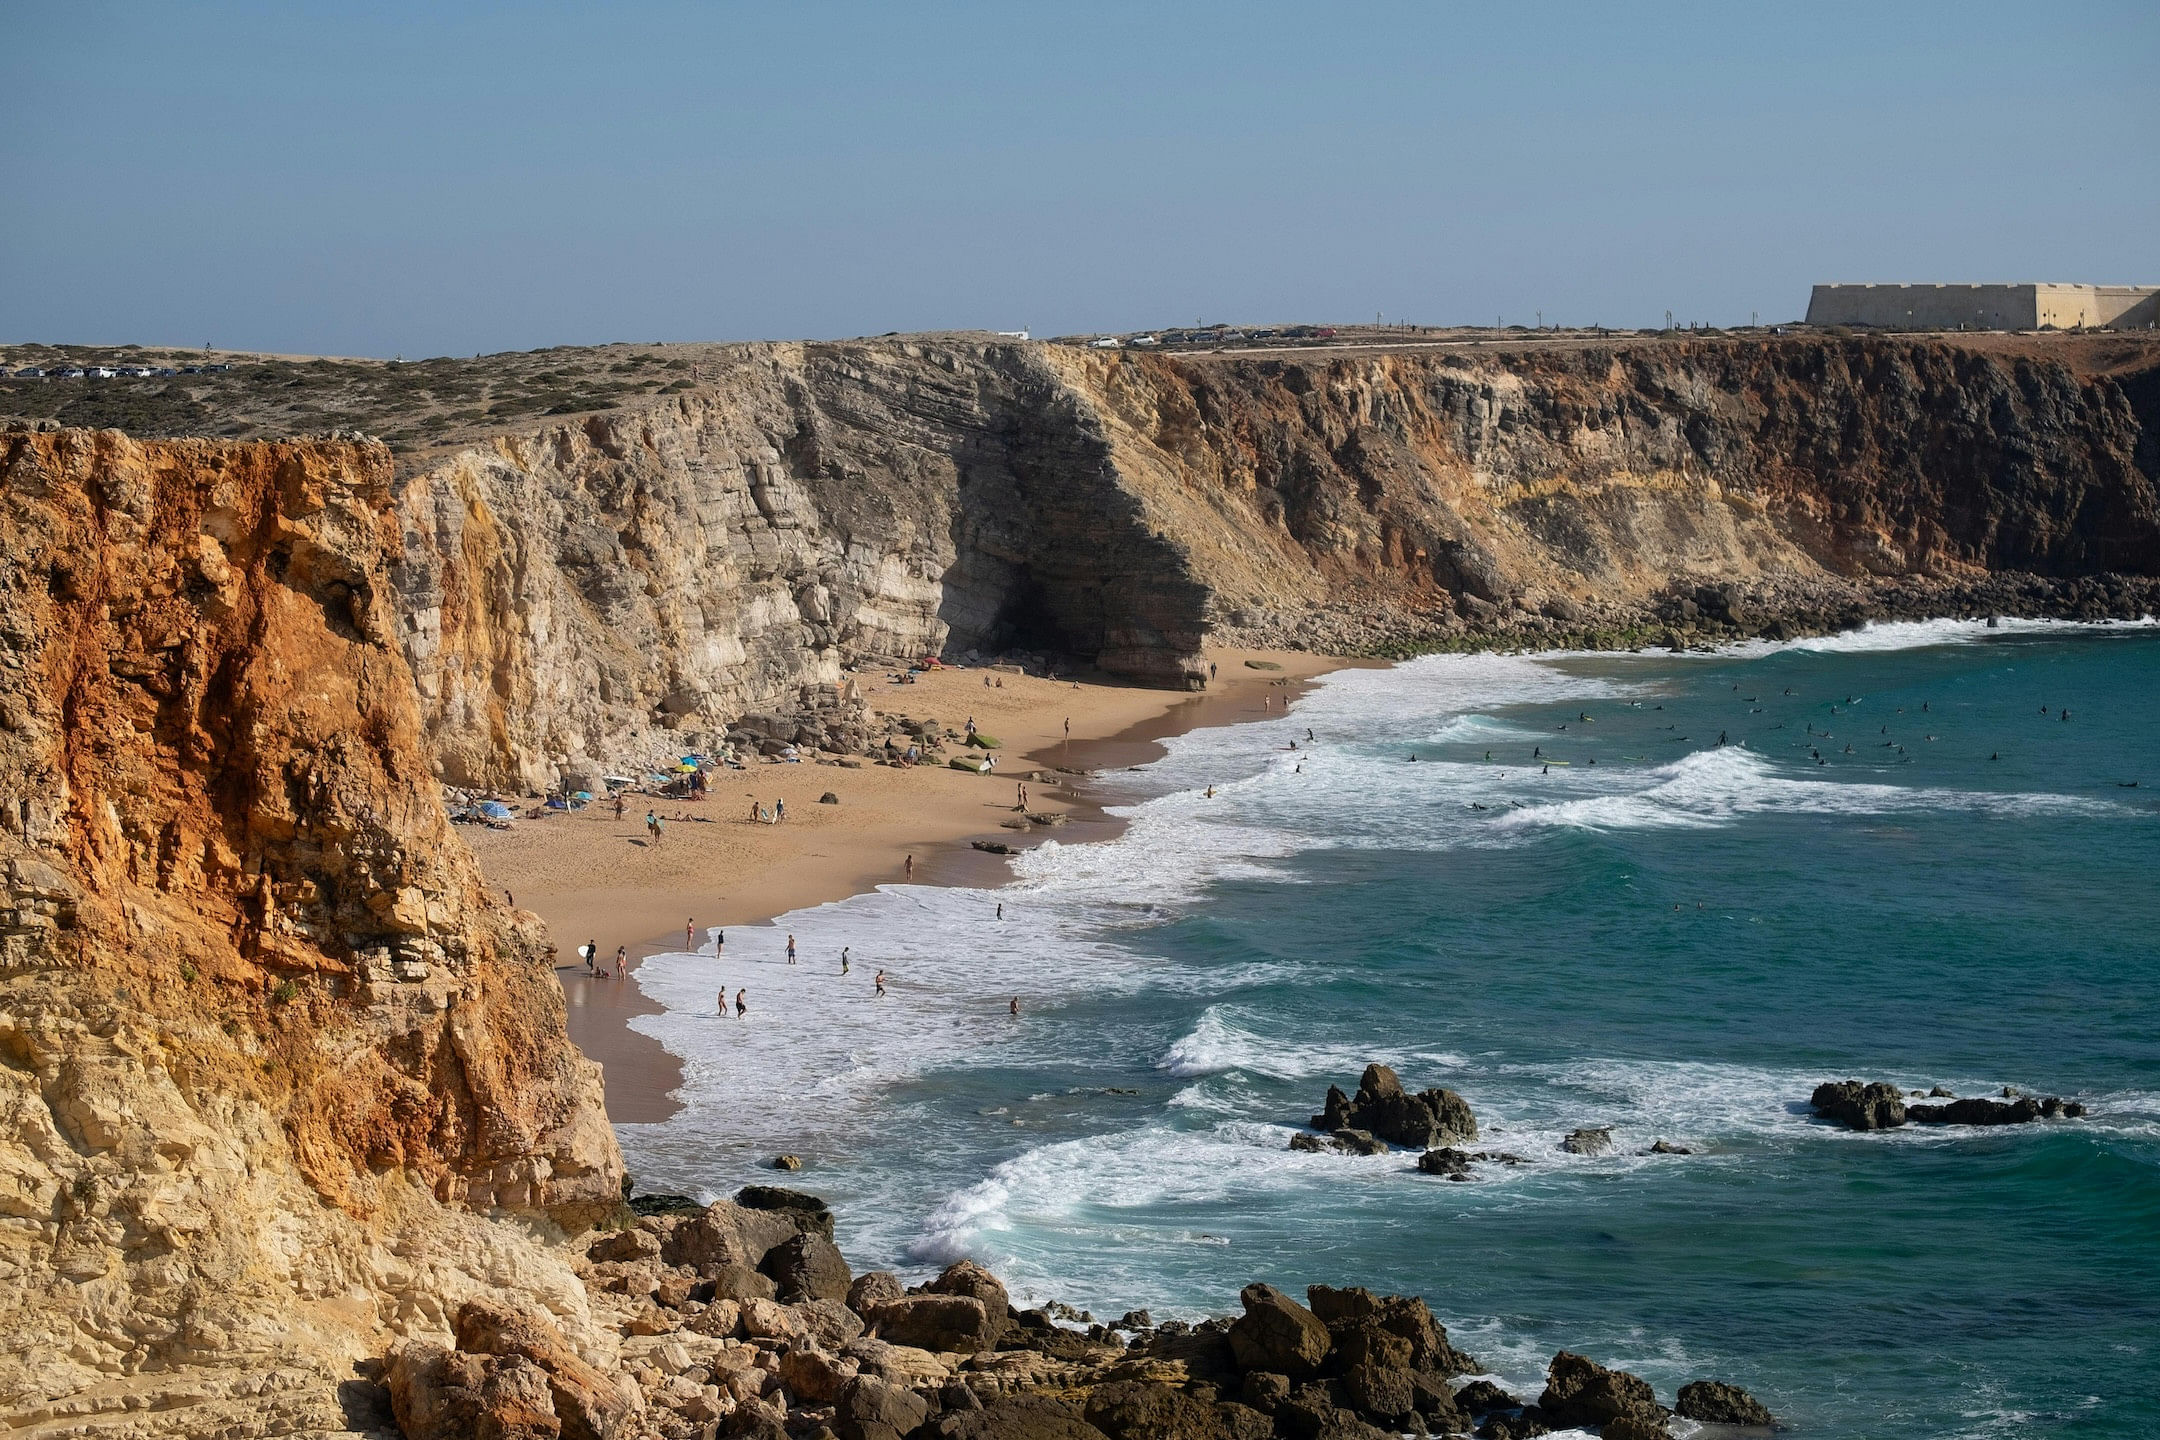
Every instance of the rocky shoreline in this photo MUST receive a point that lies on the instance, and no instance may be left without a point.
(1690, 616)
(742, 1318)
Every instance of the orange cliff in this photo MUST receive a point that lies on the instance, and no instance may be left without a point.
(270, 1050)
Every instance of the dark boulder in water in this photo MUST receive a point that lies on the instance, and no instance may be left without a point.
(1421, 1121)
(1482, 1397)
(1588, 1141)
(1859, 1106)
(2021, 1111)
(1581, 1392)
(1447, 1163)
(1359, 1142)
(1715, 1403)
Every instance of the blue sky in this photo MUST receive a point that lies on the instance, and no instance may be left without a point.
(437, 178)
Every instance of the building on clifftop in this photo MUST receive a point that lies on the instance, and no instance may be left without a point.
(1986, 307)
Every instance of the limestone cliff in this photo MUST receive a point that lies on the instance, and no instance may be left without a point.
(268, 1051)
(610, 588)
(632, 582)
(282, 1083)
(1592, 480)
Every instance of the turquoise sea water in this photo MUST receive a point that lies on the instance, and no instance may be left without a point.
(1678, 941)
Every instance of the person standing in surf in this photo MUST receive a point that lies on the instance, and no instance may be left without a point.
(742, 1006)
(791, 949)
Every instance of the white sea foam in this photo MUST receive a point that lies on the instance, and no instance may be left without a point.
(1218, 1044)
(816, 1050)
(819, 1056)
(1710, 788)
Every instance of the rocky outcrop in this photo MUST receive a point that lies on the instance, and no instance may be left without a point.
(1879, 1106)
(1591, 1140)
(1859, 1106)
(1384, 1109)
(1982, 1111)
(1716, 1403)
(1579, 1391)
(272, 1053)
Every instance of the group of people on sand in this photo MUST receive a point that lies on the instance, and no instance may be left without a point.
(598, 968)
(771, 814)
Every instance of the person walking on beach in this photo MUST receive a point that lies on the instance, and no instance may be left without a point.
(689, 935)
(911, 867)
(779, 810)
(591, 951)
(618, 806)
(791, 949)
(843, 959)
(742, 1006)
(1021, 790)
(723, 1002)
(622, 958)
(1068, 727)
(879, 982)
(1001, 910)
(753, 812)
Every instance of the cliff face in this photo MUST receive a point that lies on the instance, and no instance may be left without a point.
(629, 583)
(1597, 477)
(267, 1049)
(625, 585)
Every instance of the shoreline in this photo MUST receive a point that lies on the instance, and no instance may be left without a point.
(591, 877)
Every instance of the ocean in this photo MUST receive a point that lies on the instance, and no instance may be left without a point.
(1543, 882)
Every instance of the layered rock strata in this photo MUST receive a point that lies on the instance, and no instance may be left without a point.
(631, 582)
(274, 1068)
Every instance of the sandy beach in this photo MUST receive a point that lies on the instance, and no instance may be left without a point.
(591, 877)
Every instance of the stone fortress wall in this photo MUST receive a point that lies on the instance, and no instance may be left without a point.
(1986, 307)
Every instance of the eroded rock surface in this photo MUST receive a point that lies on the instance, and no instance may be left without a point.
(273, 1053)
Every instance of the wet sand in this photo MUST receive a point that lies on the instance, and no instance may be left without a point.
(591, 877)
